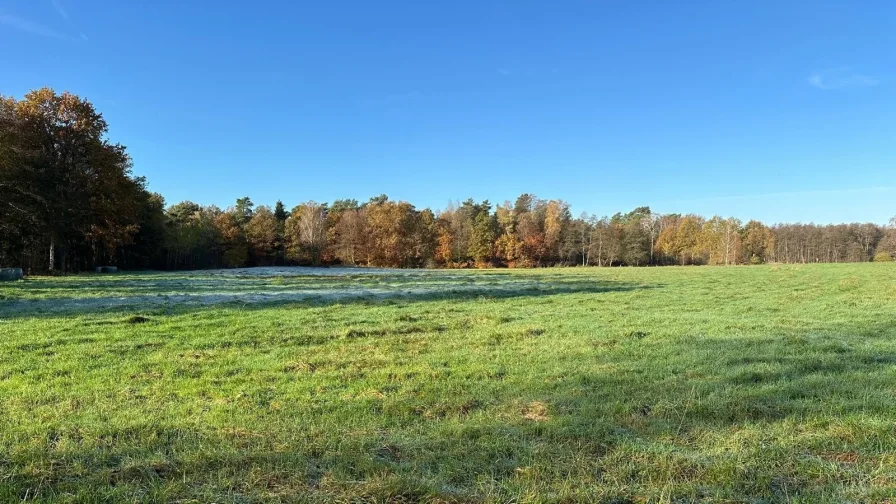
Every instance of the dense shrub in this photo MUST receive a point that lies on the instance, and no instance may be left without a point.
(883, 257)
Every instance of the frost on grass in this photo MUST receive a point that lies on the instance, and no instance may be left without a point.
(290, 271)
(264, 285)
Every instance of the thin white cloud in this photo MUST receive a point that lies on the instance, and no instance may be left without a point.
(840, 78)
(60, 9)
(26, 26)
(64, 15)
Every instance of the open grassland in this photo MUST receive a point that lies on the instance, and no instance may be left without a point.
(712, 384)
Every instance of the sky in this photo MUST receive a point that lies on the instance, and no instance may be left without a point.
(769, 110)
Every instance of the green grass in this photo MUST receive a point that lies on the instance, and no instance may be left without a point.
(711, 384)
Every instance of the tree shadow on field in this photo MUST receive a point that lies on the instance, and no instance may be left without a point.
(767, 418)
(262, 298)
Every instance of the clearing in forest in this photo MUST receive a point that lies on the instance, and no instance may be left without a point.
(762, 384)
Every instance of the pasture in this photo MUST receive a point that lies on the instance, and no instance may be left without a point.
(626, 385)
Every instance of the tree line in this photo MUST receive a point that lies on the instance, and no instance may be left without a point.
(69, 201)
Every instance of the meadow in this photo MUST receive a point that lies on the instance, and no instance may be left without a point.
(624, 385)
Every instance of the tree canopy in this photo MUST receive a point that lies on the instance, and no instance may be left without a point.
(69, 201)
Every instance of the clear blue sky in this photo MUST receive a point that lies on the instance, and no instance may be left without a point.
(782, 111)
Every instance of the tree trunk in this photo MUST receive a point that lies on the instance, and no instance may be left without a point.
(651, 247)
(52, 253)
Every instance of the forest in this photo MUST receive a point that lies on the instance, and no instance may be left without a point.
(70, 202)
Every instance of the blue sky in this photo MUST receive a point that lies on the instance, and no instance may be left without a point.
(781, 111)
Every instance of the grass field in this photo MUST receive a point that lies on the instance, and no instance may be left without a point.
(701, 384)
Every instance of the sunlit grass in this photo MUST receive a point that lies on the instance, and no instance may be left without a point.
(746, 384)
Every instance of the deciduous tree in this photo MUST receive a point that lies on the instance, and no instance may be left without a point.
(263, 235)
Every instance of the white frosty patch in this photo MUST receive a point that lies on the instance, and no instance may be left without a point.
(262, 294)
(289, 271)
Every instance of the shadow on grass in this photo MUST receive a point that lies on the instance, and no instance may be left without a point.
(800, 415)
